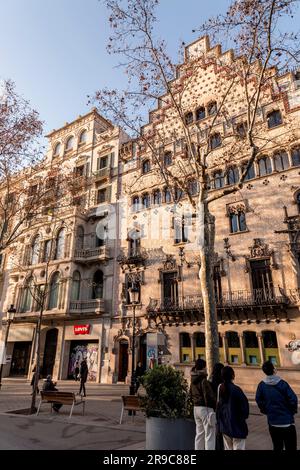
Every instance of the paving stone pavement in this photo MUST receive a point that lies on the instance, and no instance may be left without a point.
(98, 429)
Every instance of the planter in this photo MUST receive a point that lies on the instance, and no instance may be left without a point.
(170, 434)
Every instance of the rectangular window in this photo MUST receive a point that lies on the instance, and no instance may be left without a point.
(273, 359)
(234, 359)
(181, 230)
(102, 162)
(101, 196)
(186, 357)
(252, 359)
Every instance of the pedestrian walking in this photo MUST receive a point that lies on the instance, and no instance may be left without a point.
(232, 412)
(204, 401)
(76, 371)
(50, 386)
(83, 377)
(33, 380)
(276, 399)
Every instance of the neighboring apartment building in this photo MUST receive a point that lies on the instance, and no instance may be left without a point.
(257, 259)
(67, 249)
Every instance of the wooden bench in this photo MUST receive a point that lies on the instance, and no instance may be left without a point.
(130, 403)
(63, 398)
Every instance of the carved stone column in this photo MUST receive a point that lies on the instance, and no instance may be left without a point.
(192, 347)
(261, 347)
(242, 347)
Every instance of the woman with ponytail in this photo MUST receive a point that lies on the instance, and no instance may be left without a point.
(232, 412)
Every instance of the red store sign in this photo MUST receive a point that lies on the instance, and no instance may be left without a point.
(82, 329)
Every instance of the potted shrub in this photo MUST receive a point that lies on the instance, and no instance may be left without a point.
(168, 408)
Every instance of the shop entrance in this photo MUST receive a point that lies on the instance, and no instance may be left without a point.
(20, 359)
(123, 360)
(87, 350)
(49, 352)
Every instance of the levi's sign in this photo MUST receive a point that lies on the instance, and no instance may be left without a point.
(81, 329)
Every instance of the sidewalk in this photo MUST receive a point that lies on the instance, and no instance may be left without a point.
(98, 429)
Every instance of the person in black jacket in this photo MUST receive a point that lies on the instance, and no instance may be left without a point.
(232, 412)
(83, 377)
(277, 400)
(49, 386)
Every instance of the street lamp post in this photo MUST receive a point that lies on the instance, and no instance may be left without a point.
(10, 317)
(134, 295)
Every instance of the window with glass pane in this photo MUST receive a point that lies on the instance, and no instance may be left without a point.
(47, 250)
(83, 137)
(185, 340)
(237, 222)
(200, 113)
(57, 149)
(53, 294)
(80, 238)
(157, 197)
(241, 129)
(76, 281)
(168, 196)
(274, 119)
(281, 160)
(97, 291)
(296, 156)
(101, 196)
(215, 141)
(146, 166)
(70, 143)
(189, 118)
(35, 250)
(265, 166)
(178, 194)
(232, 175)
(193, 187)
(146, 201)
(212, 108)
(135, 203)
(250, 173)
(103, 162)
(27, 298)
(218, 179)
(60, 244)
(168, 158)
(232, 339)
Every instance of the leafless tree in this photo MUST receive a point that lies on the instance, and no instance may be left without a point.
(247, 74)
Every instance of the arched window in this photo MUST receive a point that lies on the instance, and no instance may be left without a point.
(178, 194)
(212, 108)
(27, 299)
(200, 113)
(146, 201)
(80, 238)
(218, 179)
(53, 291)
(296, 156)
(281, 160)
(135, 203)
(168, 158)
(76, 282)
(157, 197)
(265, 166)
(146, 166)
(97, 292)
(167, 195)
(83, 137)
(232, 175)
(70, 143)
(189, 118)
(237, 222)
(250, 339)
(250, 173)
(241, 129)
(57, 149)
(35, 250)
(215, 141)
(60, 244)
(274, 119)
(193, 187)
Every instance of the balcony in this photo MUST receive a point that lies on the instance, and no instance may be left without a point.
(101, 253)
(231, 306)
(103, 173)
(133, 258)
(87, 306)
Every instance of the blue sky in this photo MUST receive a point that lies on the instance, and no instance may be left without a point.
(55, 50)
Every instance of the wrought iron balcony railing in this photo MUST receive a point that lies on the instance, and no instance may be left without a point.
(133, 257)
(228, 300)
(88, 254)
(87, 306)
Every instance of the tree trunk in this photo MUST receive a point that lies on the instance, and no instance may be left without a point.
(37, 364)
(206, 249)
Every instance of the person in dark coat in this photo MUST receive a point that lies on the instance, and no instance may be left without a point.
(33, 380)
(211, 387)
(139, 372)
(76, 371)
(232, 412)
(276, 399)
(49, 386)
(83, 377)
